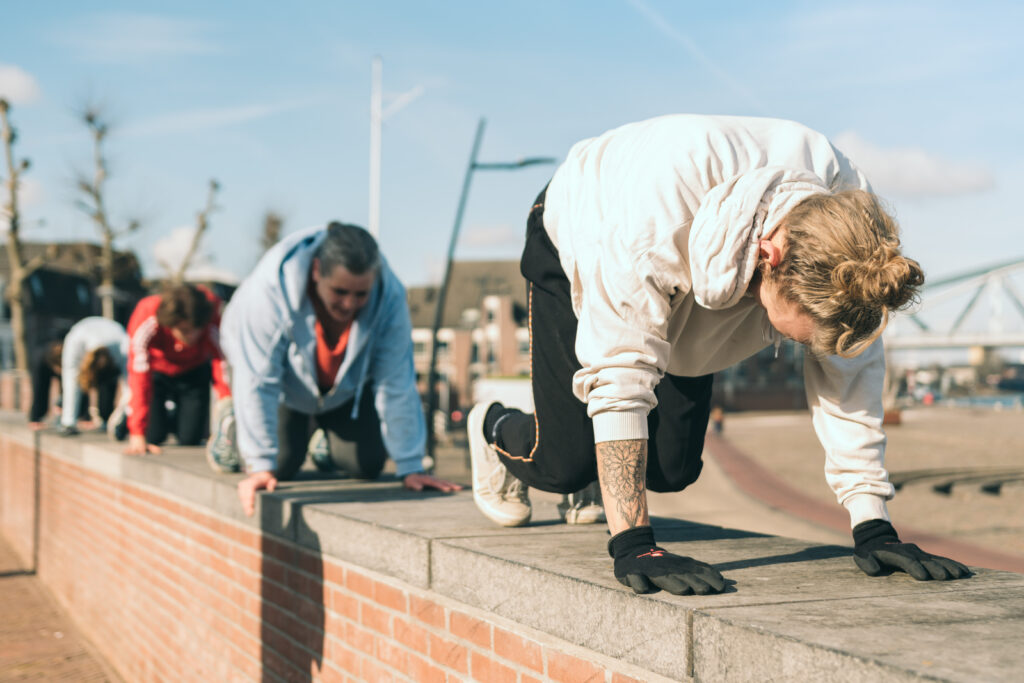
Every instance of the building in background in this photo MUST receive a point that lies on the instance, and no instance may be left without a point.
(64, 290)
(484, 333)
(483, 329)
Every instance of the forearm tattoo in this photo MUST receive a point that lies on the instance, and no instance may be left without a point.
(622, 468)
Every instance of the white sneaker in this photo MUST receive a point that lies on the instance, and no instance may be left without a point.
(221, 447)
(500, 496)
(583, 507)
(319, 451)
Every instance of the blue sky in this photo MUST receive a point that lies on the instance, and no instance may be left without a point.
(272, 99)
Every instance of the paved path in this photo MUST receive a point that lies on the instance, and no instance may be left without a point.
(945, 458)
(38, 641)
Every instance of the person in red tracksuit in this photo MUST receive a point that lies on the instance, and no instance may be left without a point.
(173, 355)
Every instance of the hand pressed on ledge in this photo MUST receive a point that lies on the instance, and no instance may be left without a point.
(878, 551)
(247, 488)
(646, 568)
(137, 446)
(418, 481)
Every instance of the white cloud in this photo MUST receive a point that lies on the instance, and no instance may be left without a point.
(17, 86)
(169, 252)
(125, 37)
(912, 171)
(211, 117)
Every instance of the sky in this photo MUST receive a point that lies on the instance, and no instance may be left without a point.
(272, 100)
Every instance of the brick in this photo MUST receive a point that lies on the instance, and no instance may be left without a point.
(359, 639)
(392, 655)
(470, 628)
(390, 597)
(485, 669)
(252, 561)
(344, 603)
(371, 671)
(623, 678)
(449, 653)
(526, 678)
(427, 611)
(375, 618)
(341, 656)
(357, 583)
(310, 587)
(422, 671)
(568, 669)
(270, 547)
(309, 562)
(410, 635)
(334, 574)
(329, 674)
(519, 650)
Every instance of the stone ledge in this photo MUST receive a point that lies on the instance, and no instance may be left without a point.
(796, 610)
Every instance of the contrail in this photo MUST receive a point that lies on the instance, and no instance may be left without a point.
(659, 22)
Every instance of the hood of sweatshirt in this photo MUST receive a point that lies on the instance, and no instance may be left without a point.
(732, 219)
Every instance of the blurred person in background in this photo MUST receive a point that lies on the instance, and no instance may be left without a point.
(173, 356)
(319, 335)
(94, 357)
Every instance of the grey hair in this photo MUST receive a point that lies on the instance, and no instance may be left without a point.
(349, 246)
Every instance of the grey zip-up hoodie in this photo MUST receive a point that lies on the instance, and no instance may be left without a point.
(269, 340)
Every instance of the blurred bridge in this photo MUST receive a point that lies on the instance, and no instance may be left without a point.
(978, 308)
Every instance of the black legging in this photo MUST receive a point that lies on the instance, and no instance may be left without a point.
(357, 446)
(190, 392)
(42, 380)
(553, 449)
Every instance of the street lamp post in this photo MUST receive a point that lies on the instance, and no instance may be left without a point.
(442, 294)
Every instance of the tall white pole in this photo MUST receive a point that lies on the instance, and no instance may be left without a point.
(376, 117)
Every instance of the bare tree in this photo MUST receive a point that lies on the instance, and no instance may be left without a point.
(272, 225)
(202, 221)
(20, 268)
(93, 205)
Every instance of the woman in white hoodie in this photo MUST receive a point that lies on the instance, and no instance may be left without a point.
(669, 249)
(94, 357)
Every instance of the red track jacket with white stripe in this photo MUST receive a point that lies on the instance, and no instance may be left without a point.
(153, 348)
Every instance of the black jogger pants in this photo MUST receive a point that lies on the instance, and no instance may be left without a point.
(553, 449)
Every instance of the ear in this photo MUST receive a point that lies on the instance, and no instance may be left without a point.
(314, 269)
(770, 252)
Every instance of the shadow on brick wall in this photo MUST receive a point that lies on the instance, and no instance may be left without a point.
(292, 595)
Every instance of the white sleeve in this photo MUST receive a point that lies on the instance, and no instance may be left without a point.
(70, 361)
(845, 397)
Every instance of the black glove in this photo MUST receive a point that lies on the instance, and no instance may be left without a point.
(877, 550)
(646, 568)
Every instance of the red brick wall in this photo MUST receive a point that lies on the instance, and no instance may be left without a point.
(167, 591)
(17, 503)
(15, 390)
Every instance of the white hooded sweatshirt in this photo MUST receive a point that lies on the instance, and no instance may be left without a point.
(657, 225)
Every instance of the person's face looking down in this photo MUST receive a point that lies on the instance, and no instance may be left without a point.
(342, 293)
(186, 333)
(792, 321)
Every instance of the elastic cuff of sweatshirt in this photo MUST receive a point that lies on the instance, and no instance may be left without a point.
(253, 465)
(408, 466)
(865, 506)
(620, 425)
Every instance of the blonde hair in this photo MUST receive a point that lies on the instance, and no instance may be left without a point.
(843, 266)
(97, 366)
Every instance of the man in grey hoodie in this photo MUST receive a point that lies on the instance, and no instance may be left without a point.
(320, 333)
